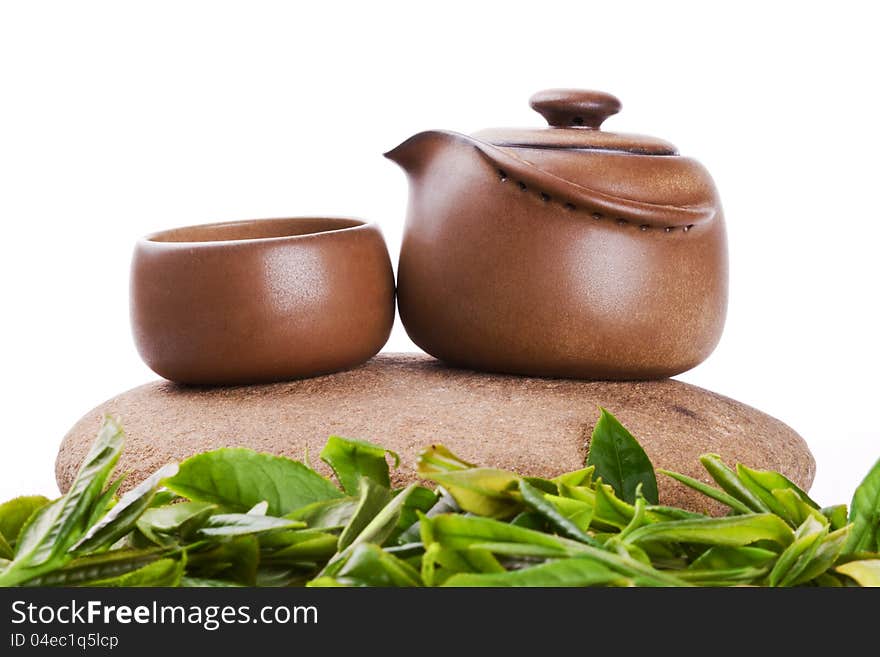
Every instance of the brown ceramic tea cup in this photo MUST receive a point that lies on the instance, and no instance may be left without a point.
(261, 300)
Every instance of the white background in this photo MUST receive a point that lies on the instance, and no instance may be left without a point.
(117, 119)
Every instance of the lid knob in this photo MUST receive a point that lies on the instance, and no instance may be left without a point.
(565, 108)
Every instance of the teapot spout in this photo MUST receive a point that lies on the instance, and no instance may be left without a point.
(416, 152)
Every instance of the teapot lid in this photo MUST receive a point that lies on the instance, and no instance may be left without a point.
(574, 117)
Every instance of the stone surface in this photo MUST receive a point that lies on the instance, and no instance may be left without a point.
(407, 401)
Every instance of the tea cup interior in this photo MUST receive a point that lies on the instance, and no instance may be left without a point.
(260, 229)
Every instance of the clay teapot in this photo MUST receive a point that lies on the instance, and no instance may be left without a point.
(565, 251)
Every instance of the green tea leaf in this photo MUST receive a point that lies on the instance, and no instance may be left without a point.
(439, 564)
(240, 524)
(377, 531)
(180, 519)
(385, 522)
(517, 550)
(723, 577)
(353, 459)
(164, 572)
(866, 572)
(864, 514)
(731, 531)
(709, 491)
(373, 498)
(771, 481)
(582, 477)
(483, 491)
(829, 580)
(420, 500)
(537, 501)
(369, 565)
(280, 576)
(236, 559)
(259, 509)
(620, 461)
(638, 520)
(578, 512)
(766, 496)
(106, 565)
(15, 513)
(437, 458)
(35, 529)
(822, 558)
(306, 545)
(466, 532)
(611, 509)
(406, 551)
(50, 532)
(64, 521)
(727, 479)
(461, 532)
(6, 552)
(443, 503)
(471, 560)
(164, 497)
(795, 556)
(836, 515)
(723, 557)
(327, 514)
(105, 502)
(558, 573)
(609, 512)
(239, 478)
(659, 513)
(792, 508)
(324, 582)
(121, 519)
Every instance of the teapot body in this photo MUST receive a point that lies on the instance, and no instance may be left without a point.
(506, 266)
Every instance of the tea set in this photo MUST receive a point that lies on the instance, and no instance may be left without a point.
(565, 251)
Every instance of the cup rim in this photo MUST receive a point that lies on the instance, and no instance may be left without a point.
(331, 225)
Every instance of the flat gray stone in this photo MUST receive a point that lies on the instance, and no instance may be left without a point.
(405, 402)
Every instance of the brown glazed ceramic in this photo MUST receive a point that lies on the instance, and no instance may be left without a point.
(263, 300)
(564, 251)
